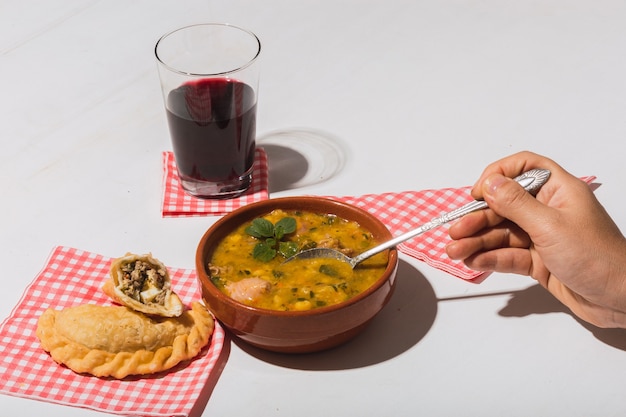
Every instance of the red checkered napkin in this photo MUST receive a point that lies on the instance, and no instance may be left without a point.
(402, 212)
(177, 203)
(72, 277)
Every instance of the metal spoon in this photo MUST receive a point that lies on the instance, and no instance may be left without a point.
(531, 181)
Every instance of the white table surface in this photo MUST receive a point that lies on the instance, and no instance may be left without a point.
(416, 95)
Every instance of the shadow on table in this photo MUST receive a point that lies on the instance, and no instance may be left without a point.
(300, 157)
(404, 321)
(537, 300)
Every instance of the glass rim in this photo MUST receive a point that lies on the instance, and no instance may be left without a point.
(212, 74)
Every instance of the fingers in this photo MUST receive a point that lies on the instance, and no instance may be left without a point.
(507, 260)
(498, 239)
(474, 223)
(514, 165)
(501, 236)
(509, 200)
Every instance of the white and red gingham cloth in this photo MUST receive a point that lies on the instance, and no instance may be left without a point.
(73, 277)
(177, 203)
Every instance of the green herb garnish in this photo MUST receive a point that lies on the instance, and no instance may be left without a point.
(271, 236)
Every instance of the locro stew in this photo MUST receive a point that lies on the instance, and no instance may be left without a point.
(248, 264)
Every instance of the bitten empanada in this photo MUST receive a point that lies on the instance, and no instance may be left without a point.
(142, 283)
(115, 341)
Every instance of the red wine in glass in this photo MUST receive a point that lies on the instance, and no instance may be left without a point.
(213, 127)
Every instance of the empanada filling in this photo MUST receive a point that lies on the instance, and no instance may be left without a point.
(143, 282)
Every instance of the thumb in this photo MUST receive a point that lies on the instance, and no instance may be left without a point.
(510, 200)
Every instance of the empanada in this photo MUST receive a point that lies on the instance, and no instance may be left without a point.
(142, 283)
(117, 341)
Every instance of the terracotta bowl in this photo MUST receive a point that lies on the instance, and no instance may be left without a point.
(295, 331)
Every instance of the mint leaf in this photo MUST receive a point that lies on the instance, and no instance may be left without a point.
(260, 228)
(271, 238)
(286, 225)
(287, 249)
(263, 252)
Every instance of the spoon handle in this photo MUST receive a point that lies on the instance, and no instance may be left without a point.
(531, 181)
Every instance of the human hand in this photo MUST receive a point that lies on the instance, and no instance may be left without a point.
(563, 238)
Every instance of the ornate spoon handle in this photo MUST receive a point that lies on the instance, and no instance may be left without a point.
(531, 181)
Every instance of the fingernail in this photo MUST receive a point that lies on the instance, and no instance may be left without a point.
(493, 182)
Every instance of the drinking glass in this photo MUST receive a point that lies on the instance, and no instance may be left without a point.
(209, 77)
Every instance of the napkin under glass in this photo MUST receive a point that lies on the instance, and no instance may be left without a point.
(178, 203)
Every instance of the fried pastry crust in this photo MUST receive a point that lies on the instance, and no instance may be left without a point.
(142, 283)
(115, 341)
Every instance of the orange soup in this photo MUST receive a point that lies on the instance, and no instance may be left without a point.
(248, 264)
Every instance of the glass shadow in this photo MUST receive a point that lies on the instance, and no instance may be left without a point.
(299, 158)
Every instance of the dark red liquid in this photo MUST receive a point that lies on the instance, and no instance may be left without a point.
(212, 124)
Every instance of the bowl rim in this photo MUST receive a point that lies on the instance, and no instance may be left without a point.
(269, 205)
